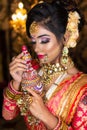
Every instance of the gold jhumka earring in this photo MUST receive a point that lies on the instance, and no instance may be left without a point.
(65, 59)
(72, 29)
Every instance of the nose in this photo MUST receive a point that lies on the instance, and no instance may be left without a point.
(37, 47)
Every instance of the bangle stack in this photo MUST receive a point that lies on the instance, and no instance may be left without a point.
(11, 93)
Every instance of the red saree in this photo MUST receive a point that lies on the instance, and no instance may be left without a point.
(68, 102)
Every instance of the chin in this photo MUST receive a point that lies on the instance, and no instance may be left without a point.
(42, 62)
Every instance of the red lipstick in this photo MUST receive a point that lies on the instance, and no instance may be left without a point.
(40, 56)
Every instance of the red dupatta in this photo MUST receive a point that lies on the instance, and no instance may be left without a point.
(64, 100)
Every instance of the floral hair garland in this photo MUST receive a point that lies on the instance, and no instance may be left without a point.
(72, 28)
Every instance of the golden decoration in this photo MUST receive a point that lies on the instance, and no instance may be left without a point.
(50, 71)
(65, 59)
(34, 27)
(72, 28)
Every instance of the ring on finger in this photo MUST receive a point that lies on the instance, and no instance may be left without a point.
(30, 100)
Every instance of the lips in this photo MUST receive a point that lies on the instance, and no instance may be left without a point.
(40, 56)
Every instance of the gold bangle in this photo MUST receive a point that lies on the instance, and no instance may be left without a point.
(10, 95)
(17, 97)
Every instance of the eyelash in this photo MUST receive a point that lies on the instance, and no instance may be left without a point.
(45, 41)
(33, 42)
(42, 42)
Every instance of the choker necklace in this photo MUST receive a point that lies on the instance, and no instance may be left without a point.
(50, 71)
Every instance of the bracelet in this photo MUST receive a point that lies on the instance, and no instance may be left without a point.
(58, 124)
(12, 89)
(7, 99)
(11, 93)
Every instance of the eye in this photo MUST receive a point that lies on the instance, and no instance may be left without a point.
(45, 40)
(33, 41)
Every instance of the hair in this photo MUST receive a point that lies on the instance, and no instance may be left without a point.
(53, 16)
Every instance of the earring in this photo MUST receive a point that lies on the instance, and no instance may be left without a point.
(65, 59)
(45, 59)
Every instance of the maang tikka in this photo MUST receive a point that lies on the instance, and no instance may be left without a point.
(34, 27)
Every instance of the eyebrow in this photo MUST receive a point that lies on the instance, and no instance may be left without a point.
(43, 35)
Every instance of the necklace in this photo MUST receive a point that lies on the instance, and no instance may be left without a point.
(50, 71)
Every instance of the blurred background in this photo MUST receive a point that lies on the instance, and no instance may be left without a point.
(13, 14)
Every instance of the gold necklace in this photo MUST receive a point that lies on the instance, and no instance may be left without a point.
(50, 71)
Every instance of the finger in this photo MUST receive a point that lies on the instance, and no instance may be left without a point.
(13, 58)
(20, 55)
(17, 69)
(32, 92)
(17, 72)
(19, 63)
(17, 57)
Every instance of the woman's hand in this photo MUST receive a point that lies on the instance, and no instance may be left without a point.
(16, 68)
(37, 105)
(40, 111)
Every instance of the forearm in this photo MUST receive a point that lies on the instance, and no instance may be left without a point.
(55, 123)
(15, 85)
(10, 109)
(50, 120)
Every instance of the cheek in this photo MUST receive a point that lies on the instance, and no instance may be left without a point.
(53, 52)
(51, 47)
(54, 49)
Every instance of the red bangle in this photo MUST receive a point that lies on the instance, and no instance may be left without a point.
(12, 89)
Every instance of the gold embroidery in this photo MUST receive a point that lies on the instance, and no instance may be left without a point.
(63, 126)
(69, 98)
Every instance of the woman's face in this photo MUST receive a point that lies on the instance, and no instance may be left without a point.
(46, 45)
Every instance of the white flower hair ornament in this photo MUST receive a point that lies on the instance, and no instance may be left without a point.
(72, 28)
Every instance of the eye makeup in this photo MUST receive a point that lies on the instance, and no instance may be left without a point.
(41, 40)
(44, 40)
(33, 41)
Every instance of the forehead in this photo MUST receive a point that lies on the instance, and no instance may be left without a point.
(40, 30)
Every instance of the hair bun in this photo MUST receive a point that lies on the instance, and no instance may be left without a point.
(69, 5)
